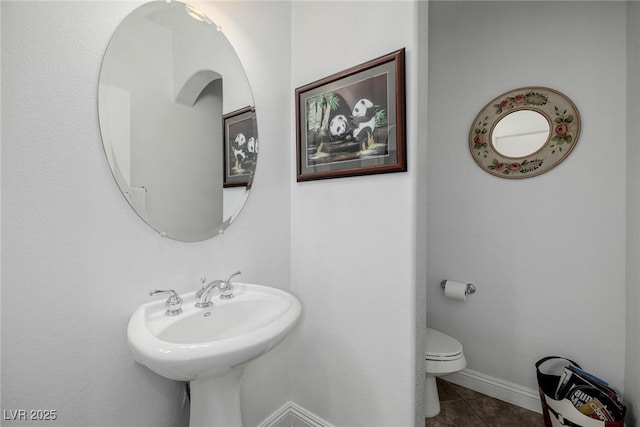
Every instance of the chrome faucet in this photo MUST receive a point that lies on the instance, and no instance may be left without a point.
(204, 295)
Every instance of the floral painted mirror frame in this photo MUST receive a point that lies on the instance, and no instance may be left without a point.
(564, 124)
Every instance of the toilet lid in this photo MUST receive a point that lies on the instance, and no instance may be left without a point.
(439, 346)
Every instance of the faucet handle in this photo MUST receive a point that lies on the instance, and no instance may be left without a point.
(226, 287)
(228, 279)
(173, 306)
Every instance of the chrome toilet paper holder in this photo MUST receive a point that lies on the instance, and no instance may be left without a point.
(471, 288)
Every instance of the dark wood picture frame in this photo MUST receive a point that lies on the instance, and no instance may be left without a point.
(240, 147)
(353, 122)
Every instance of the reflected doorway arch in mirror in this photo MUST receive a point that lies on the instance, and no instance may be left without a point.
(524, 132)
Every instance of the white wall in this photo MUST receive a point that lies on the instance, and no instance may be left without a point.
(421, 206)
(547, 254)
(353, 239)
(632, 366)
(76, 260)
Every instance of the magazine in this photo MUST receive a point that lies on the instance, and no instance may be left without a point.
(590, 395)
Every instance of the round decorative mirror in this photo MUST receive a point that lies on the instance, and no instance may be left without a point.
(524, 132)
(177, 120)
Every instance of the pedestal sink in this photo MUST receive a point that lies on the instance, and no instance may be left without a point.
(209, 347)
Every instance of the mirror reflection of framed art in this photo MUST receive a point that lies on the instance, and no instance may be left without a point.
(240, 147)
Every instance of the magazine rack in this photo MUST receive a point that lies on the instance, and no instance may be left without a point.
(559, 413)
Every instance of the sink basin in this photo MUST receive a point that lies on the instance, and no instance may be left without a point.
(209, 347)
(206, 342)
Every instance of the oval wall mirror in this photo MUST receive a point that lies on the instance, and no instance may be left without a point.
(177, 120)
(524, 132)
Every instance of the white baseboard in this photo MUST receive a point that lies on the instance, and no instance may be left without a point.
(498, 388)
(292, 415)
(279, 418)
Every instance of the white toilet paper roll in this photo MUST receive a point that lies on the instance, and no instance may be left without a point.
(455, 290)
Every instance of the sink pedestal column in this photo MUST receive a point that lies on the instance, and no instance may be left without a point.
(215, 401)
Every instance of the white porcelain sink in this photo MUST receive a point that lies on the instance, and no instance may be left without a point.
(210, 346)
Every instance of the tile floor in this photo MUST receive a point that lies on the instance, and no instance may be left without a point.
(461, 407)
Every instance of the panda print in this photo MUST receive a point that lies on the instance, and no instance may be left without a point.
(363, 110)
(240, 150)
(345, 121)
(338, 126)
(252, 145)
(364, 119)
(339, 123)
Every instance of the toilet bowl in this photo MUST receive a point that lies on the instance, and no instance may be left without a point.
(443, 356)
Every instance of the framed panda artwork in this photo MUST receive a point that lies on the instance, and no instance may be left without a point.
(353, 122)
(240, 138)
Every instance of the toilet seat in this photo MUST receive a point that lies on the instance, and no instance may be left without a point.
(440, 347)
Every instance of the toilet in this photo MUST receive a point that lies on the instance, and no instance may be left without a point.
(443, 356)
